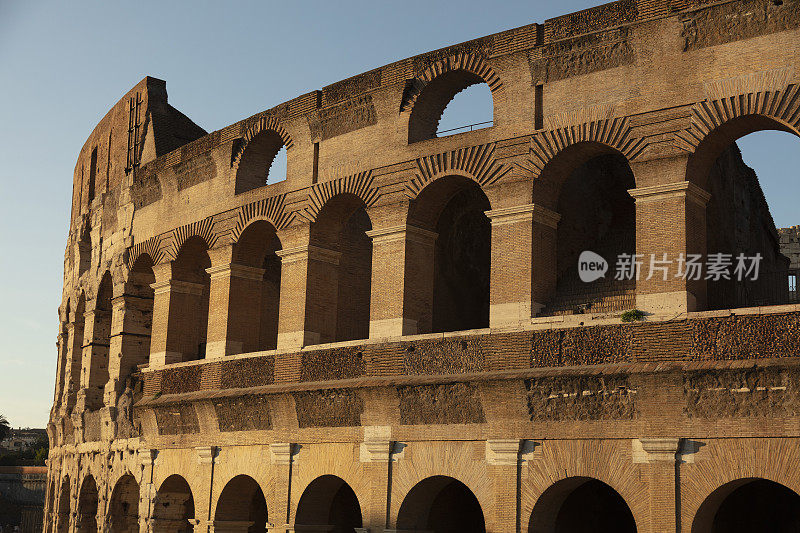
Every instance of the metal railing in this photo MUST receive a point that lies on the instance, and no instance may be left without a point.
(470, 126)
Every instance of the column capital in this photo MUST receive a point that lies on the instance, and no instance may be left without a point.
(308, 252)
(235, 270)
(656, 449)
(520, 213)
(206, 454)
(403, 231)
(503, 452)
(680, 189)
(177, 286)
(281, 452)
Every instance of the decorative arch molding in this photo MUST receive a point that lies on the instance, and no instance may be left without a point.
(768, 93)
(614, 132)
(359, 185)
(152, 247)
(475, 162)
(469, 62)
(270, 209)
(201, 228)
(265, 123)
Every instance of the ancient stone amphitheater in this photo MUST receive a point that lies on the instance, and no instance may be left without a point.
(394, 337)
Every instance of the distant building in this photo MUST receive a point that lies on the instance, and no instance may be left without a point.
(22, 498)
(22, 438)
(790, 245)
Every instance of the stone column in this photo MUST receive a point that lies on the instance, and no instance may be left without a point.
(63, 362)
(131, 327)
(171, 324)
(72, 378)
(94, 360)
(671, 220)
(402, 280)
(309, 290)
(658, 456)
(502, 456)
(523, 265)
(376, 454)
(234, 316)
(281, 455)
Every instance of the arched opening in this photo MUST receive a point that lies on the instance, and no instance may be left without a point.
(589, 188)
(470, 109)
(63, 511)
(96, 371)
(63, 356)
(741, 223)
(85, 250)
(242, 501)
(581, 505)
(191, 303)
(124, 510)
(435, 97)
(174, 506)
(344, 269)
(87, 506)
(263, 162)
(139, 320)
(258, 294)
(76, 351)
(456, 298)
(328, 501)
(751, 504)
(441, 504)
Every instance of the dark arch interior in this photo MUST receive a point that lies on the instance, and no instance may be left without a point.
(174, 502)
(257, 247)
(758, 505)
(597, 214)
(242, 500)
(255, 165)
(441, 504)
(581, 505)
(85, 250)
(124, 512)
(341, 227)
(432, 101)
(87, 506)
(140, 305)
(190, 266)
(454, 208)
(62, 520)
(328, 500)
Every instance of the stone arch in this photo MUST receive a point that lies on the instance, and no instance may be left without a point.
(123, 514)
(343, 249)
(734, 108)
(328, 500)
(151, 247)
(139, 298)
(359, 185)
(586, 184)
(95, 374)
(63, 511)
(84, 250)
(581, 504)
(715, 165)
(475, 162)
(88, 497)
(201, 229)
(242, 505)
(189, 269)
(255, 290)
(451, 212)
(269, 209)
(427, 95)
(174, 506)
(441, 504)
(749, 504)
(75, 349)
(256, 151)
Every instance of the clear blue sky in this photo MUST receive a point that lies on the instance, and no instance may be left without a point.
(64, 64)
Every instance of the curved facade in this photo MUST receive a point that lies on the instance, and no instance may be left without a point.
(396, 336)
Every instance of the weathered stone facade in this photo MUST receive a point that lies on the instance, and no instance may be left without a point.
(393, 338)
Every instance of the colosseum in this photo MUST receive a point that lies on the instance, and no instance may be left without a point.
(396, 337)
